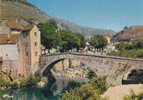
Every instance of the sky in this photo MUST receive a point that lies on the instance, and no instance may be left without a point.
(104, 14)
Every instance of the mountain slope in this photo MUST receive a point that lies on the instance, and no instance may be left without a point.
(84, 30)
(21, 9)
(131, 33)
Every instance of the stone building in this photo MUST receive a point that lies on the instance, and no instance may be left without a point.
(20, 48)
(108, 38)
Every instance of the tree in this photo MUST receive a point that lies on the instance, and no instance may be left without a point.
(91, 74)
(89, 91)
(4, 80)
(49, 36)
(66, 40)
(98, 41)
(82, 40)
(69, 40)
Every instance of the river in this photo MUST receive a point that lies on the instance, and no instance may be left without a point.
(52, 93)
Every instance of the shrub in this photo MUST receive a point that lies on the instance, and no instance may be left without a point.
(4, 81)
(89, 91)
(98, 41)
(133, 49)
(91, 74)
(72, 85)
(44, 79)
(29, 81)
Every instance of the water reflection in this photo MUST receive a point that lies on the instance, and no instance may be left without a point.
(27, 94)
(52, 93)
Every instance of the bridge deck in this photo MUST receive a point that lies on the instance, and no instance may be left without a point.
(79, 54)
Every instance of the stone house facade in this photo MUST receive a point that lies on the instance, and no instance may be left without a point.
(108, 38)
(22, 48)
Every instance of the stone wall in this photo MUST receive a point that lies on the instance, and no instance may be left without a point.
(35, 48)
(4, 29)
(10, 67)
(112, 67)
(24, 54)
(29, 51)
(66, 64)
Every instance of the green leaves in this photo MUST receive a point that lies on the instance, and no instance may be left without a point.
(89, 91)
(69, 40)
(29, 81)
(91, 74)
(48, 34)
(52, 37)
(98, 41)
(133, 49)
(4, 80)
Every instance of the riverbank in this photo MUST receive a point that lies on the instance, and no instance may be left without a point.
(31, 81)
(121, 91)
(53, 92)
(27, 94)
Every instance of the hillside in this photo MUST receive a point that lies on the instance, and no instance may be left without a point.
(131, 33)
(21, 9)
(86, 31)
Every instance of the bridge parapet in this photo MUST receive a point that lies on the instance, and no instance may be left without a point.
(71, 55)
(115, 67)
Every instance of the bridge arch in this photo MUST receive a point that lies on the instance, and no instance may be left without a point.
(134, 76)
(45, 70)
(51, 62)
(102, 65)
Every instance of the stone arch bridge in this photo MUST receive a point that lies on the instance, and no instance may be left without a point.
(114, 68)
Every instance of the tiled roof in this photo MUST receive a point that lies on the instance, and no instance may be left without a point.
(8, 38)
(16, 26)
(138, 27)
(107, 37)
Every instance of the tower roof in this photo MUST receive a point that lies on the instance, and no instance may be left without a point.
(16, 26)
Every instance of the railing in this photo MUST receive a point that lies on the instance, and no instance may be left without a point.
(92, 55)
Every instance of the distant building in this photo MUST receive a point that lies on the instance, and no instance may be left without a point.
(20, 48)
(108, 38)
(110, 47)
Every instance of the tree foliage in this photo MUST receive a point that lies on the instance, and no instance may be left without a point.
(98, 41)
(29, 81)
(130, 45)
(48, 34)
(133, 49)
(91, 74)
(89, 91)
(69, 40)
(52, 37)
(4, 81)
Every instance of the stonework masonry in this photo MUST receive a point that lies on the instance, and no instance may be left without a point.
(20, 48)
(114, 68)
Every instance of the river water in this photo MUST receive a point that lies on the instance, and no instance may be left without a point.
(27, 94)
(54, 93)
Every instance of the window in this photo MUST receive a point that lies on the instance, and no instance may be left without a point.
(36, 53)
(26, 53)
(35, 33)
(6, 55)
(35, 43)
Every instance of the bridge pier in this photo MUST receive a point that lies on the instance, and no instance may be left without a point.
(112, 67)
